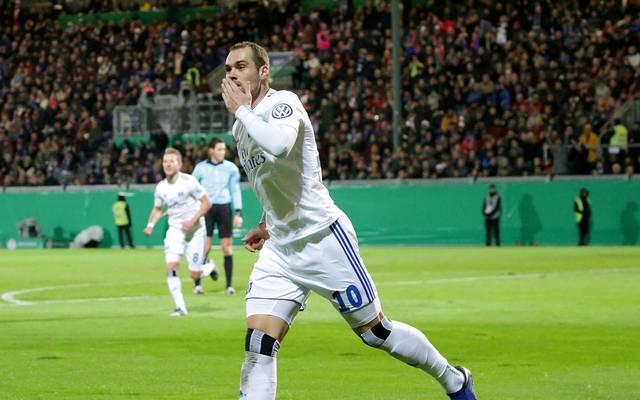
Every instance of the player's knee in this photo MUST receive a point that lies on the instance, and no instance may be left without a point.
(259, 342)
(377, 335)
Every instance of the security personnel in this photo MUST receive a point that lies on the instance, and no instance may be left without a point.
(122, 218)
(582, 208)
(491, 208)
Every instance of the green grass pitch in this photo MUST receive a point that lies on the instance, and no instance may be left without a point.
(531, 323)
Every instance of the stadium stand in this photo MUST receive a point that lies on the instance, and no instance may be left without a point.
(516, 89)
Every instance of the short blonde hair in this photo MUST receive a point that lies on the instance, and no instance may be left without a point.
(260, 55)
(172, 150)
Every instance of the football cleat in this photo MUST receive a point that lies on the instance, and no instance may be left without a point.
(466, 393)
(230, 291)
(198, 289)
(214, 274)
(209, 268)
(178, 312)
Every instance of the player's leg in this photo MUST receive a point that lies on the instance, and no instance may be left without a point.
(195, 253)
(225, 233)
(265, 333)
(272, 302)
(174, 245)
(412, 347)
(228, 264)
(496, 230)
(358, 303)
(210, 266)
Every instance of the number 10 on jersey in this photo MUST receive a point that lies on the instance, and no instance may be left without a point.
(351, 295)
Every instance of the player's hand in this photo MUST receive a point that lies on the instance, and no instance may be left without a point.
(237, 222)
(235, 96)
(148, 230)
(255, 238)
(187, 225)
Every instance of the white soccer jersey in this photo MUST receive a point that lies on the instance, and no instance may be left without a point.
(181, 197)
(289, 187)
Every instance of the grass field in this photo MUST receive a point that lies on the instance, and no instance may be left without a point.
(531, 323)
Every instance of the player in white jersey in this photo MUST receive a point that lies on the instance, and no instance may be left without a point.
(186, 202)
(306, 243)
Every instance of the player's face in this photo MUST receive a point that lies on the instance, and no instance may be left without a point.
(217, 153)
(240, 67)
(171, 165)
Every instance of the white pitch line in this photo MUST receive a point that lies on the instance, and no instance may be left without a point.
(503, 277)
(10, 297)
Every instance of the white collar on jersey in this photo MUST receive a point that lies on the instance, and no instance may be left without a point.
(268, 94)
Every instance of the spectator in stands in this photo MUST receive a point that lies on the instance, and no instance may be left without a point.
(492, 69)
(588, 149)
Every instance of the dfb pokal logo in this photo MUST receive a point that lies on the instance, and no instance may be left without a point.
(281, 110)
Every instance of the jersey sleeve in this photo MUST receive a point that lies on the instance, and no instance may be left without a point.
(196, 189)
(279, 132)
(288, 111)
(157, 200)
(234, 187)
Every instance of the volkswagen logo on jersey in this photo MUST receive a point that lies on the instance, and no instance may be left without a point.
(281, 110)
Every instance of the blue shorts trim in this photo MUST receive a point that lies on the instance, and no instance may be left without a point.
(352, 256)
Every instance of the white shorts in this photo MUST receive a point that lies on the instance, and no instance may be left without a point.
(191, 243)
(327, 263)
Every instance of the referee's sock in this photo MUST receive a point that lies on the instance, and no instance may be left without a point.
(228, 269)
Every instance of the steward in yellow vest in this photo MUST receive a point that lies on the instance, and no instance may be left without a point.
(122, 219)
(582, 209)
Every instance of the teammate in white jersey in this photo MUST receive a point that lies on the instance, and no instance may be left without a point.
(186, 202)
(306, 243)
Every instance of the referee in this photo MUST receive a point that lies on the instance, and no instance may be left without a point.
(221, 179)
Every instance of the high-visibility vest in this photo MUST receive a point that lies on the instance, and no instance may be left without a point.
(580, 205)
(193, 75)
(580, 208)
(120, 213)
(620, 137)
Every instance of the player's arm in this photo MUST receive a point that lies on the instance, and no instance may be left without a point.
(205, 205)
(274, 138)
(236, 196)
(156, 214)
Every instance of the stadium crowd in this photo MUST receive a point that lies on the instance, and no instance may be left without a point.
(517, 89)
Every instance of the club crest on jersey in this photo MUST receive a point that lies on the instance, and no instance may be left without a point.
(281, 110)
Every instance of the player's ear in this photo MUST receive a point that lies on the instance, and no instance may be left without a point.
(264, 71)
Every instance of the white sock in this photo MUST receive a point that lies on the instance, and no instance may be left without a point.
(411, 346)
(175, 287)
(258, 377)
